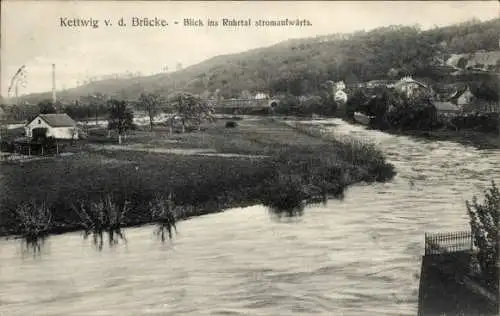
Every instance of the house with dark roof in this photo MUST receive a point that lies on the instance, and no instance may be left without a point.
(462, 96)
(58, 126)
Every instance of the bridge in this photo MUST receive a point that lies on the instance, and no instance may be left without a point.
(237, 105)
(243, 105)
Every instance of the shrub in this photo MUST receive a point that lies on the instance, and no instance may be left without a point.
(162, 213)
(484, 225)
(7, 147)
(34, 222)
(106, 215)
(285, 194)
(231, 124)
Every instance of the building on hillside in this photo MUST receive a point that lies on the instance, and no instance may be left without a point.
(340, 96)
(462, 97)
(261, 96)
(340, 85)
(377, 83)
(59, 126)
(409, 86)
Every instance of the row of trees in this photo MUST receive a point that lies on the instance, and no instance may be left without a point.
(188, 109)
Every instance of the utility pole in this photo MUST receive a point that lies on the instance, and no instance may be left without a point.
(54, 100)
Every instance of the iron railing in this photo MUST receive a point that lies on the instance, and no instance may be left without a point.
(440, 243)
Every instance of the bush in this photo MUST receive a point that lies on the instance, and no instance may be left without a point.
(34, 221)
(7, 147)
(231, 124)
(484, 226)
(106, 215)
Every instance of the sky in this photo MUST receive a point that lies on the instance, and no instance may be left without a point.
(32, 34)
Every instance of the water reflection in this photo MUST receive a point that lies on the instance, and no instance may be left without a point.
(279, 214)
(115, 236)
(33, 245)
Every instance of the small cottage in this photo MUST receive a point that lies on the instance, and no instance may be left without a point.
(463, 97)
(59, 126)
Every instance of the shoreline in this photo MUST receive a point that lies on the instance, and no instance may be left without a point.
(466, 137)
(224, 183)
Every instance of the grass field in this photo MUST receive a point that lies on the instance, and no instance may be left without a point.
(89, 190)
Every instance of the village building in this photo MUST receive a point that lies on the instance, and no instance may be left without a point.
(467, 102)
(462, 97)
(340, 96)
(409, 86)
(376, 83)
(340, 85)
(58, 126)
(261, 96)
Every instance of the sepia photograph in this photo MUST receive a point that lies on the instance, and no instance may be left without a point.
(257, 158)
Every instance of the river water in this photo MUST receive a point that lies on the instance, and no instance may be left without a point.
(359, 256)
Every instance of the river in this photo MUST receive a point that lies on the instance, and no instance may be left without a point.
(359, 256)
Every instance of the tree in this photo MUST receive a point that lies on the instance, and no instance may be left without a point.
(357, 101)
(484, 226)
(192, 110)
(121, 118)
(151, 102)
(46, 107)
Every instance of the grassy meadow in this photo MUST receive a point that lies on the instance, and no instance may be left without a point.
(150, 179)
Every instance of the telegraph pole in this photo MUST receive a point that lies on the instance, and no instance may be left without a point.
(54, 100)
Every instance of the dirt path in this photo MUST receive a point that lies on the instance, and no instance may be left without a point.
(174, 151)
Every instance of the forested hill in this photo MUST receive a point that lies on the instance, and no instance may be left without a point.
(300, 66)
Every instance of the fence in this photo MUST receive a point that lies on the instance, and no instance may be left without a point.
(448, 242)
(490, 108)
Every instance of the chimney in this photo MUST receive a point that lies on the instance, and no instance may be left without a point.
(54, 85)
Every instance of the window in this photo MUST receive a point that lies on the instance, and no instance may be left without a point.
(39, 121)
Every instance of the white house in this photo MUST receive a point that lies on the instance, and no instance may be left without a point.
(409, 86)
(340, 96)
(261, 96)
(340, 85)
(59, 126)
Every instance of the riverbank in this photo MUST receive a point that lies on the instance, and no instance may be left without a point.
(464, 137)
(99, 187)
(467, 137)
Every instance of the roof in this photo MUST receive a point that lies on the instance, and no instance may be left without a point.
(446, 107)
(410, 81)
(57, 120)
(460, 90)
